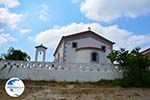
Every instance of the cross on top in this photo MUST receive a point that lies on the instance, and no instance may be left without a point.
(89, 28)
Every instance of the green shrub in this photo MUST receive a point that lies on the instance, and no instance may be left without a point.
(134, 66)
(146, 79)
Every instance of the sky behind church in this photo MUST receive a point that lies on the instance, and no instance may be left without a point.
(25, 24)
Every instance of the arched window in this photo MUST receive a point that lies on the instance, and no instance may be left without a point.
(94, 57)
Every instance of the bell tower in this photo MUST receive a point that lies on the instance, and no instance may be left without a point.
(42, 50)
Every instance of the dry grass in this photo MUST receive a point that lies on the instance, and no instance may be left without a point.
(43, 90)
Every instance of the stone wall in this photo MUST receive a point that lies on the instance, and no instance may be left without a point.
(82, 72)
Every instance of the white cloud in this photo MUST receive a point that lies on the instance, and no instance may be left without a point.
(108, 10)
(1, 30)
(44, 12)
(9, 19)
(52, 36)
(24, 31)
(122, 37)
(4, 38)
(10, 3)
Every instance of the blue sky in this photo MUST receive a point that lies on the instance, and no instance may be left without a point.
(25, 24)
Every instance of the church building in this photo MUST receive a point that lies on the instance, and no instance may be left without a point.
(83, 47)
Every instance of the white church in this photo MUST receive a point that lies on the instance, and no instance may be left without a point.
(78, 57)
(83, 47)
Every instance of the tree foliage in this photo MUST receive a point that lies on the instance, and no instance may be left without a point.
(15, 54)
(134, 65)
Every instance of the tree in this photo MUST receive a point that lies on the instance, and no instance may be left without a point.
(15, 54)
(134, 66)
(112, 56)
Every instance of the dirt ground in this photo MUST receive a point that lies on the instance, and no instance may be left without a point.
(41, 90)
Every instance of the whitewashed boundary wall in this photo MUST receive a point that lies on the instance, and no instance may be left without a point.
(58, 71)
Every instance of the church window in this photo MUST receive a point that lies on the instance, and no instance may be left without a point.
(74, 44)
(94, 57)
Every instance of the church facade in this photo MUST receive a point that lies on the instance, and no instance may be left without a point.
(83, 47)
